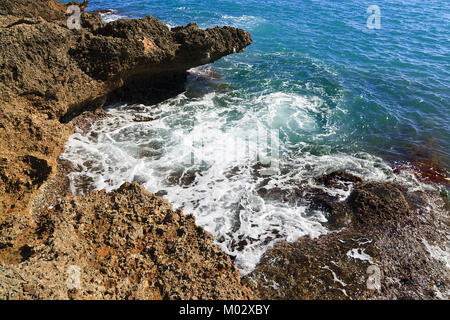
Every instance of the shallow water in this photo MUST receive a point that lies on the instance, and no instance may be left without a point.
(317, 91)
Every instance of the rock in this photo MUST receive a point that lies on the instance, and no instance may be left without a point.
(338, 179)
(52, 79)
(375, 202)
(140, 118)
(388, 244)
(46, 9)
(50, 74)
(310, 269)
(85, 120)
(126, 244)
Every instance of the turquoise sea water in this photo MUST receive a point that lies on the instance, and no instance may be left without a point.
(341, 96)
(393, 83)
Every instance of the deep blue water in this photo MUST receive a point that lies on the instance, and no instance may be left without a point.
(393, 83)
(340, 95)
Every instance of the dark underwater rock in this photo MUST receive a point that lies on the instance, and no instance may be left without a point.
(387, 243)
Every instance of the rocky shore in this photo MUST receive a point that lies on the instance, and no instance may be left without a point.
(128, 243)
(385, 242)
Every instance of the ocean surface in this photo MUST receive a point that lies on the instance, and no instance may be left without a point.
(316, 92)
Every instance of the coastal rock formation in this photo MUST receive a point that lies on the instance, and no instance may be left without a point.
(126, 244)
(387, 243)
(49, 75)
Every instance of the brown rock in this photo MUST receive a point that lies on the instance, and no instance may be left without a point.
(48, 76)
(133, 55)
(375, 202)
(389, 233)
(102, 235)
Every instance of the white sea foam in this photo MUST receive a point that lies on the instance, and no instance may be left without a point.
(358, 253)
(244, 21)
(335, 277)
(111, 16)
(196, 151)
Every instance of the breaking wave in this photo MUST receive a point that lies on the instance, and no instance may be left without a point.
(210, 151)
